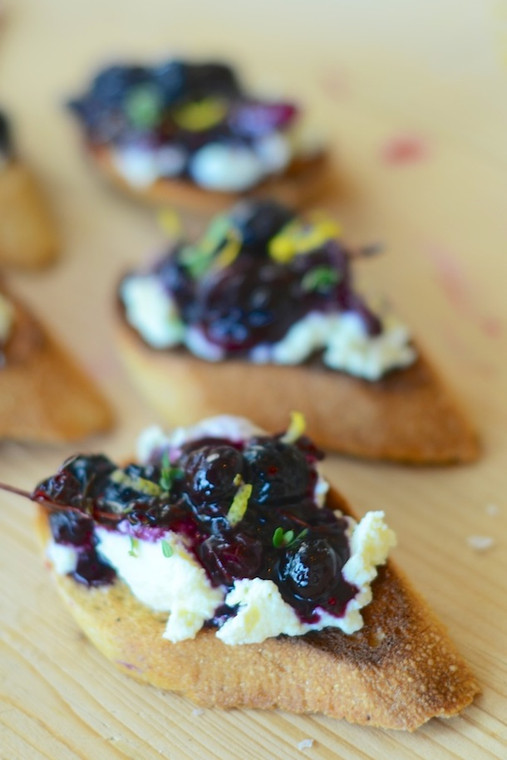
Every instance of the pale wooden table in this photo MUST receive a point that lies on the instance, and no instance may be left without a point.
(432, 72)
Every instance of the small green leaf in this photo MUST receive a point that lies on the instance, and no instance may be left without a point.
(134, 547)
(278, 537)
(321, 278)
(167, 549)
(143, 105)
(168, 473)
(287, 538)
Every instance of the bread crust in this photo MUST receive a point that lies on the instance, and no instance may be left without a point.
(44, 395)
(397, 672)
(408, 416)
(28, 234)
(305, 181)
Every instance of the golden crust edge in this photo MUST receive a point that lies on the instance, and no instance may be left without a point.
(28, 233)
(45, 394)
(411, 417)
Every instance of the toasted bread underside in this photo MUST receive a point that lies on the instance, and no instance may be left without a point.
(28, 236)
(398, 671)
(44, 395)
(305, 181)
(409, 416)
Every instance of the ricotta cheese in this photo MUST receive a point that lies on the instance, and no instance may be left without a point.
(342, 336)
(346, 344)
(152, 311)
(177, 583)
(62, 557)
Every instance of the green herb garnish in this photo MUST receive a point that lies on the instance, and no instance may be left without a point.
(167, 549)
(321, 279)
(143, 105)
(219, 236)
(134, 547)
(168, 474)
(287, 538)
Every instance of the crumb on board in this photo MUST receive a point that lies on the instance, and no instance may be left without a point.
(480, 543)
(492, 510)
(305, 744)
(197, 712)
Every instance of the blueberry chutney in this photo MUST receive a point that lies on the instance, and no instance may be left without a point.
(178, 119)
(266, 286)
(244, 509)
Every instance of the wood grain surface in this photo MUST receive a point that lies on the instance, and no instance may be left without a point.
(412, 97)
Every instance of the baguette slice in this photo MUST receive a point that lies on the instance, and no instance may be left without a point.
(397, 672)
(304, 182)
(44, 395)
(408, 416)
(28, 235)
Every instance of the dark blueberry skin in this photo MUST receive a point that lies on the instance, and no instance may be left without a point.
(71, 527)
(309, 574)
(77, 482)
(209, 483)
(227, 557)
(258, 222)
(279, 472)
(91, 570)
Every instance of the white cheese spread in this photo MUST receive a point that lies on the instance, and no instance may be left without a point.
(152, 311)
(178, 584)
(342, 337)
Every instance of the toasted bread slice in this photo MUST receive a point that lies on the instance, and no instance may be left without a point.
(44, 395)
(408, 416)
(398, 671)
(28, 235)
(304, 182)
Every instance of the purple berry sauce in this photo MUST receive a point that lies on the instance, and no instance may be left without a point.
(282, 536)
(255, 299)
(142, 106)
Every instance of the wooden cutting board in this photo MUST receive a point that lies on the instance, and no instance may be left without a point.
(412, 98)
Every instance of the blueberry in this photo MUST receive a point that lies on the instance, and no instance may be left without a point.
(121, 494)
(71, 527)
(203, 79)
(246, 304)
(62, 488)
(92, 571)
(89, 470)
(279, 472)
(310, 569)
(210, 473)
(227, 558)
(170, 78)
(258, 221)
